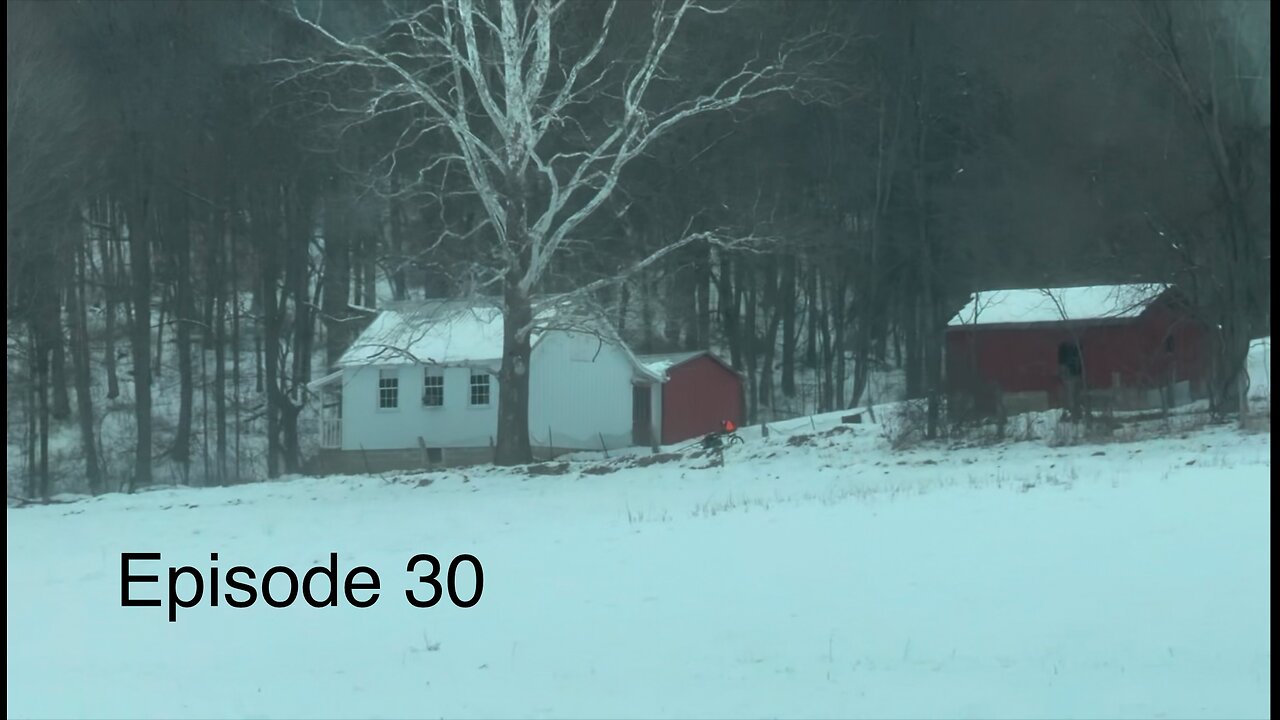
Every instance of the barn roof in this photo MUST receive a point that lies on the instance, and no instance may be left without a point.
(659, 364)
(663, 362)
(1050, 305)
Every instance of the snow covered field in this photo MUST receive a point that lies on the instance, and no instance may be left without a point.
(812, 577)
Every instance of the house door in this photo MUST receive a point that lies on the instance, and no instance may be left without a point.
(641, 415)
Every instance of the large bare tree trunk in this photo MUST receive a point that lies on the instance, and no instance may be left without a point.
(513, 446)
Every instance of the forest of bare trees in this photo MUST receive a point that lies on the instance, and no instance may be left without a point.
(206, 199)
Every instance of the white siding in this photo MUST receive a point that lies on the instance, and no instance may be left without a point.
(457, 424)
(580, 399)
(580, 390)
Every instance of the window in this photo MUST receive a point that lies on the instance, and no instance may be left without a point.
(433, 389)
(388, 389)
(479, 389)
(1168, 344)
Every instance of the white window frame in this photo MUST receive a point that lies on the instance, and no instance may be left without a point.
(392, 374)
(428, 375)
(473, 386)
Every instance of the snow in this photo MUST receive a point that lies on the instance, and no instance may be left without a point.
(453, 332)
(441, 333)
(326, 380)
(660, 364)
(1034, 305)
(815, 575)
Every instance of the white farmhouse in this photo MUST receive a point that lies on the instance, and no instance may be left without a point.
(419, 387)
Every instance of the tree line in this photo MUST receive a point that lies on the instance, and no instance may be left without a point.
(206, 200)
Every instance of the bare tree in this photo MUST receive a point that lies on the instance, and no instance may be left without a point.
(81, 367)
(44, 112)
(541, 127)
(1218, 63)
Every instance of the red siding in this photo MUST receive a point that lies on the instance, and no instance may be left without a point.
(1022, 359)
(699, 394)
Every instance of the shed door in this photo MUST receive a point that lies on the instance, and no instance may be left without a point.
(641, 414)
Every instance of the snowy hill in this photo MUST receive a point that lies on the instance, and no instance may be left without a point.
(816, 574)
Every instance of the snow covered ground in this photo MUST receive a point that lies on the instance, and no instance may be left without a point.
(815, 575)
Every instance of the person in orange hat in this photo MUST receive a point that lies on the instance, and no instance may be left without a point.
(715, 442)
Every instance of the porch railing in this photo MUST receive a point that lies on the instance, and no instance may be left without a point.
(331, 433)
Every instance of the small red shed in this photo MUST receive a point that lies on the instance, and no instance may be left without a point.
(1129, 346)
(701, 391)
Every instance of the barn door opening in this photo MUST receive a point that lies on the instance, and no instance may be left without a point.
(1071, 368)
(642, 415)
(1069, 361)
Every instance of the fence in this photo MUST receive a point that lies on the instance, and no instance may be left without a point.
(331, 433)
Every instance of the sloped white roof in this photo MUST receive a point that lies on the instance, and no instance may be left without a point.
(1036, 305)
(440, 333)
(451, 332)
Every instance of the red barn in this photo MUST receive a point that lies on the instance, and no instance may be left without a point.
(1120, 346)
(701, 391)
